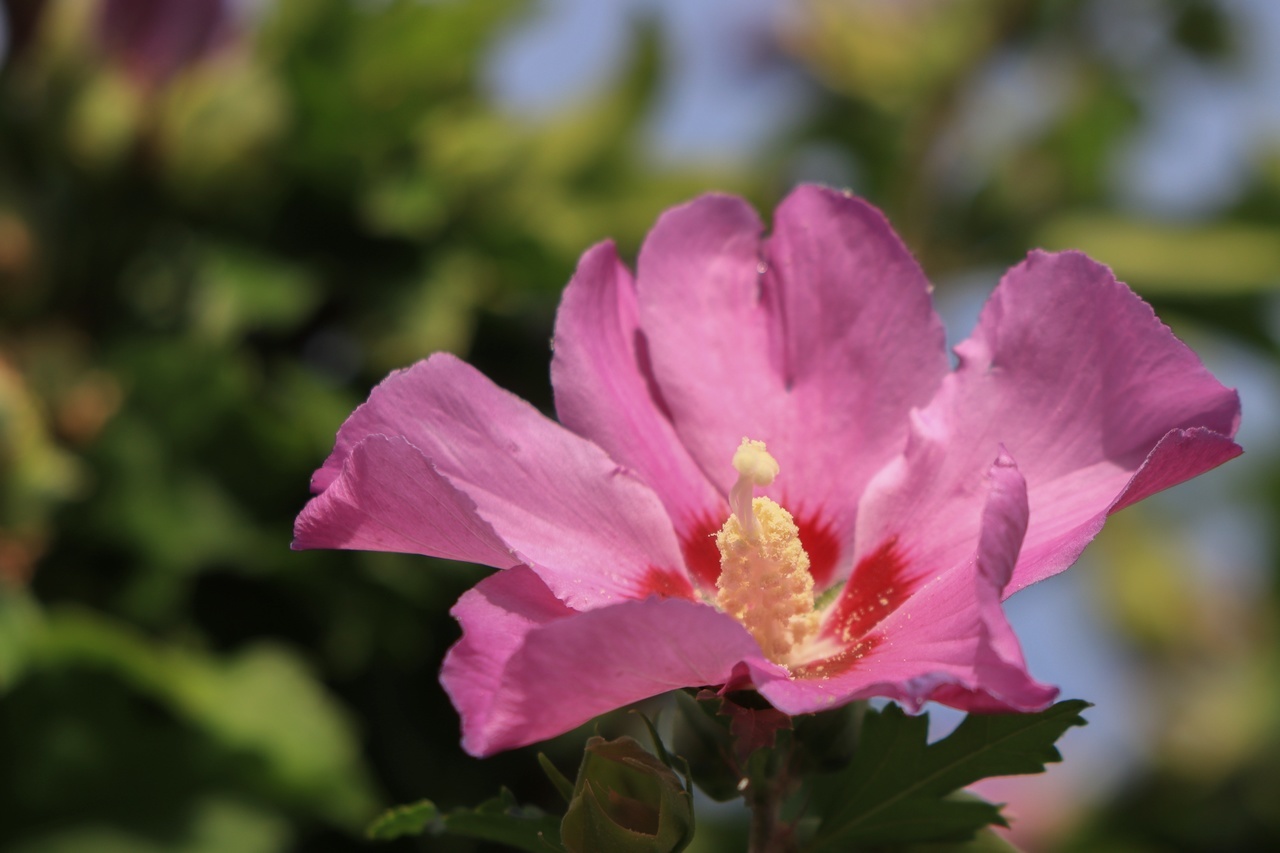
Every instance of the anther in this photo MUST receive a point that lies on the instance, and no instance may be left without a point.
(764, 571)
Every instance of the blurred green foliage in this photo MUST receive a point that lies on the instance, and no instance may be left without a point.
(201, 275)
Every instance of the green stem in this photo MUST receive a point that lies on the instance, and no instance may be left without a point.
(770, 833)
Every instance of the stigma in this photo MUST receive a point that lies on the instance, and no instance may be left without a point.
(764, 571)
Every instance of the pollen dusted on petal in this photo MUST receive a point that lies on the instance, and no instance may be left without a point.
(764, 571)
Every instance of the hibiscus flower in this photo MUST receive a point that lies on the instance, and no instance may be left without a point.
(765, 473)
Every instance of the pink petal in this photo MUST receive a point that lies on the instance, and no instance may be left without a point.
(863, 344)
(389, 498)
(527, 668)
(1179, 456)
(949, 642)
(817, 341)
(1073, 373)
(496, 615)
(592, 531)
(604, 391)
(925, 505)
(154, 40)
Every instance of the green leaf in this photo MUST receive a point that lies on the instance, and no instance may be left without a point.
(676, 762)
(409, 819)
(505, 821)
(500, 819)
(986, 841)
(948, 818)
(1158, 259)
(212, 825)
(897, 787)
(828, 740)
(986, 745)
(703, 738)
(239, 291)
(19, 625)
(282, 714)
(659, 748)
(558, 779)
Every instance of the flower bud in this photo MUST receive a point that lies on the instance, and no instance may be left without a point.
(626, 800)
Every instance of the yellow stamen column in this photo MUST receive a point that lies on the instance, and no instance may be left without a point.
(764, 571)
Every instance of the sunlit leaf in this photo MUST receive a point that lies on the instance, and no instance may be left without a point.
(19, 625)
(262, 701)
(1226, 259)
(410, 819)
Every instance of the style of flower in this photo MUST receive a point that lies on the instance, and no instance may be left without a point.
(767, 475)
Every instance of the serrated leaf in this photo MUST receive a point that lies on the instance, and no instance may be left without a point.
(948, 818)
(986, 745)
(409, 819)
(896, 789)
(986, 841)
(500, 819)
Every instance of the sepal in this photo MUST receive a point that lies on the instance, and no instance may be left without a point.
(626, 799)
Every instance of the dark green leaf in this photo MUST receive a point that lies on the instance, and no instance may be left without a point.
(703, 738)
(283, 715)
(828, 740)
(500, 819)
(675, 762)
(986, 841)
(659, 748)
(897, 787)
(986, 745)
(948, 818)
(561, 782)
(503, 820)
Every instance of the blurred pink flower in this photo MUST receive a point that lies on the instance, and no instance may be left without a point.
(154, 39)
(904, 498)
